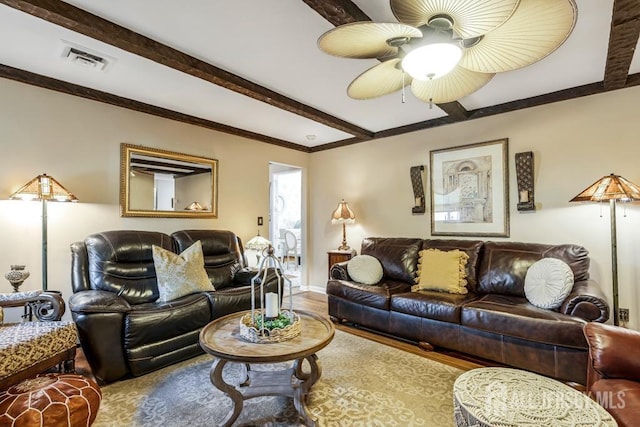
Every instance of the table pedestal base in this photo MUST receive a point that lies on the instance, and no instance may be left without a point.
(292, 382)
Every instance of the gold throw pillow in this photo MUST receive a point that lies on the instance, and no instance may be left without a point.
(442, 271)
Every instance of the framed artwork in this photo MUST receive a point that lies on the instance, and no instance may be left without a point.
(469, 190)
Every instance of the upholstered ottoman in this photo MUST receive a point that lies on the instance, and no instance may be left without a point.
(35, 345)
(51, 400)
(505, 397)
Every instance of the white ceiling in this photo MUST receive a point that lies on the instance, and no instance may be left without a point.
(273, 44)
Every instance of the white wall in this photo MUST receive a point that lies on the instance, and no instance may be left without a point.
(574, 143)
(77, 141)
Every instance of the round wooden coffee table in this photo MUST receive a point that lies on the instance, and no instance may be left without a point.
(505, 397)
(221, 338)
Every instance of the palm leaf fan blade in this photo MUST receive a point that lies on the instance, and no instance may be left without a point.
(536, 29)
(470, 18)
(379, 80)
(365, 39)
(450, 87)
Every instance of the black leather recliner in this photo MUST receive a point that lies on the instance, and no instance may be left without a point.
(122, 329)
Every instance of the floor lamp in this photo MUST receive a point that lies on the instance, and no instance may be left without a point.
(44, 188)
(343, 215)
(611, 188)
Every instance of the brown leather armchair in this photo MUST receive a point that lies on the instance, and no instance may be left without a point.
(613, 372)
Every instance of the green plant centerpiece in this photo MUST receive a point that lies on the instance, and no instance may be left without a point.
(280, 322)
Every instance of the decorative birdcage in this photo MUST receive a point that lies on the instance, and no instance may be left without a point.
(270, 323)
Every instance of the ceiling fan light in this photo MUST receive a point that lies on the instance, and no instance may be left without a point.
(432, 61)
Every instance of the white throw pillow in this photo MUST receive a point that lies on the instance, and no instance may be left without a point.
(548, 282)
(180, 275)
(365, 269)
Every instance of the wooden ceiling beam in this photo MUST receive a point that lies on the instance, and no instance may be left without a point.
(623, 39)
(80, 21)
(338, 12)
(548, 98)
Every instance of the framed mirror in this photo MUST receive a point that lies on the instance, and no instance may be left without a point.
(166, 184)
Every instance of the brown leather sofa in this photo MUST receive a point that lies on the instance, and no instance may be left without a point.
(123, 330)
(493, 321)
(613, 376)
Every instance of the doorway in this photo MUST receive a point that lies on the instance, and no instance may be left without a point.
(285, 219)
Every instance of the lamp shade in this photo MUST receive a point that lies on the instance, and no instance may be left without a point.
(258, 243)
(609, 187)
(44, 187)
(343, 214)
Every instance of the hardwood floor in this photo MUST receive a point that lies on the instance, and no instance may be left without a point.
(317, 303)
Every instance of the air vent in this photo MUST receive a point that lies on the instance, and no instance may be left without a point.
(86, 59)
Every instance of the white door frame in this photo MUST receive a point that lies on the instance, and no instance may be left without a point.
(275, 168)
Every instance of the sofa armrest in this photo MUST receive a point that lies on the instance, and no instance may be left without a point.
(586, 301)
(339, 271)
(99, 317)
(93, 301)
(243, 277)
(614, 352)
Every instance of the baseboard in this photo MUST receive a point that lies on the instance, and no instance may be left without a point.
(316, 289)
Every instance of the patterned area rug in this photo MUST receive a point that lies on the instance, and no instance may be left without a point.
(363, 383)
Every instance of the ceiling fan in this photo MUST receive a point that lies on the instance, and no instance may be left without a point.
(448, 49)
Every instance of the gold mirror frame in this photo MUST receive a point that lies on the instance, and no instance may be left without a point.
(142, 200)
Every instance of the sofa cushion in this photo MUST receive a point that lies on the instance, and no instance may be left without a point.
(516, 317)
(473, 248)
(377, 296)
(504, 265)
(433, 305)
(121, 262)
(222, 252)
(152, 324)
(365, 269)
(398, 256)
(548, 282)
(180, 275)
(442, 271)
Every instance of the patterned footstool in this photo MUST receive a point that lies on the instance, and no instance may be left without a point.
(32, 344)
(51, 400)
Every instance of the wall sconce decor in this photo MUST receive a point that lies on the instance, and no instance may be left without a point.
(611, 188)
(343, 215)
(44, 188)
(418, 189)
(524, 176)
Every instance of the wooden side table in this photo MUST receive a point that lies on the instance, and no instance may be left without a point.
(336, 256)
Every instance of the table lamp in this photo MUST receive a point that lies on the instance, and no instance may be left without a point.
(44, 188)
(611, 188)
(259, 244)
(343, 215)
